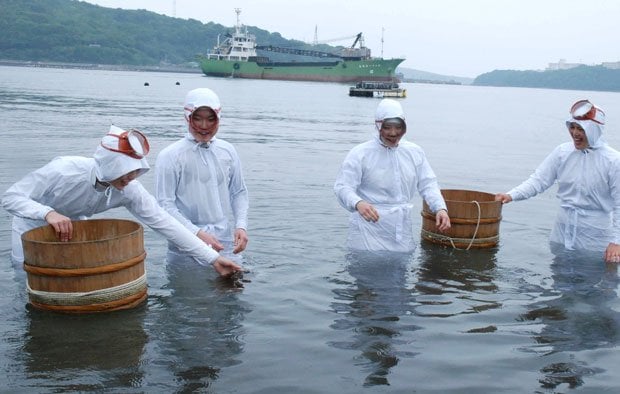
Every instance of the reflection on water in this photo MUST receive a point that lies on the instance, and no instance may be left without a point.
(389, 299)
(196, 321)
(199, 325)
(90, 351)
(580, 312)
(453, 281)
(372, 307)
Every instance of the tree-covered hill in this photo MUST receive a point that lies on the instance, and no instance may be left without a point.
(73, 31)
(596, 78)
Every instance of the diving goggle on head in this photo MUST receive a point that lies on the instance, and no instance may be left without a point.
(131, 143)
(585, 110)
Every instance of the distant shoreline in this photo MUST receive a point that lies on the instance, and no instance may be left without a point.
(167, 68)
(109, 67)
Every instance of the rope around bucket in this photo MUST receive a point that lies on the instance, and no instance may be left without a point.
(471, 242)
(90, 297)
(441, 239)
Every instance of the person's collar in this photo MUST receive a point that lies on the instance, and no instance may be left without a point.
(96, 183)
(190, 138)
(101, 186)
(380, 141)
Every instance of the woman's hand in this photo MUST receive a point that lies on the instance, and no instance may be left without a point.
(503, 198)
(367, 211)
(241, 240)
(612, 253)
(62, 225)
(442, 220)
(210, 240)
(225, 267)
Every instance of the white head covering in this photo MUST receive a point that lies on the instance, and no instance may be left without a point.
(112, 165)
(592, 128)
(389, 109)
(201, 97)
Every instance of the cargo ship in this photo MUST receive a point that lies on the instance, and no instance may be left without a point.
(237, 57)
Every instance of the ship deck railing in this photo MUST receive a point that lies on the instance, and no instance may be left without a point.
(219, 56)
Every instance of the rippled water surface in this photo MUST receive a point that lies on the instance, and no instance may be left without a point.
(312, 319)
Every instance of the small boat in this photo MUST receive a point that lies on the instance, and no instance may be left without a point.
(377, 89)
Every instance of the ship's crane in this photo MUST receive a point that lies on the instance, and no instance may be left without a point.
(348, 53)
(358, 38)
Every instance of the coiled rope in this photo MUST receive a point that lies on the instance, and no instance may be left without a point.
(443, 238)
(90, 297)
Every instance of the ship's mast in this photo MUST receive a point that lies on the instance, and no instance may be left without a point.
(238, 11)
(316, 36)
(382, 31)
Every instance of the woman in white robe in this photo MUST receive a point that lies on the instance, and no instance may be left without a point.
(199, 179)
(75, 188)
(587, 171)
(378, 182)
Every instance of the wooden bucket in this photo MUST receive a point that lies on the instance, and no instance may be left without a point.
(475, 218)
(101, 269)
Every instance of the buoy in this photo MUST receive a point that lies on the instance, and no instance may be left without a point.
(146, 84)
(178, 83)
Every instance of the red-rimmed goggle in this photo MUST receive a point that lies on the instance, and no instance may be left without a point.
(131, 143)
(585, 110)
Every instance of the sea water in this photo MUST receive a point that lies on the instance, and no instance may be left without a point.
(311, 319)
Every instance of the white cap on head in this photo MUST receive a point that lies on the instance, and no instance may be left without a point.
(112, 165)
(201, 97)
(591, 119)
(389, 109)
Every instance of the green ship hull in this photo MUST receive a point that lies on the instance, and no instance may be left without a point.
(336, 71)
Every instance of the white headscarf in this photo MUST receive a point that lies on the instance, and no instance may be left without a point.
(593, 130)
(389, 109)
(113, 165)
(201, 97)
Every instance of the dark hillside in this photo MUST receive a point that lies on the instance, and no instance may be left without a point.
(578, 78)
(73, 31)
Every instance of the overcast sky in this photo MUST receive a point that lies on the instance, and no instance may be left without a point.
(452, 37)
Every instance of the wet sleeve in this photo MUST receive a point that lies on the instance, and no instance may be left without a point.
(543, 178)
(614, 184)
(428, 187)
(166, 180)
(347, 182)
(20, 199)
(145, 207)
(239, 194)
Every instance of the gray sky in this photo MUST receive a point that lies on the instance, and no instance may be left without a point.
(453, 37)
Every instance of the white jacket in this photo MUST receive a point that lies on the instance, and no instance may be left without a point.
(588, 190)
(202, 186)
(388, 178)
(67, 185)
